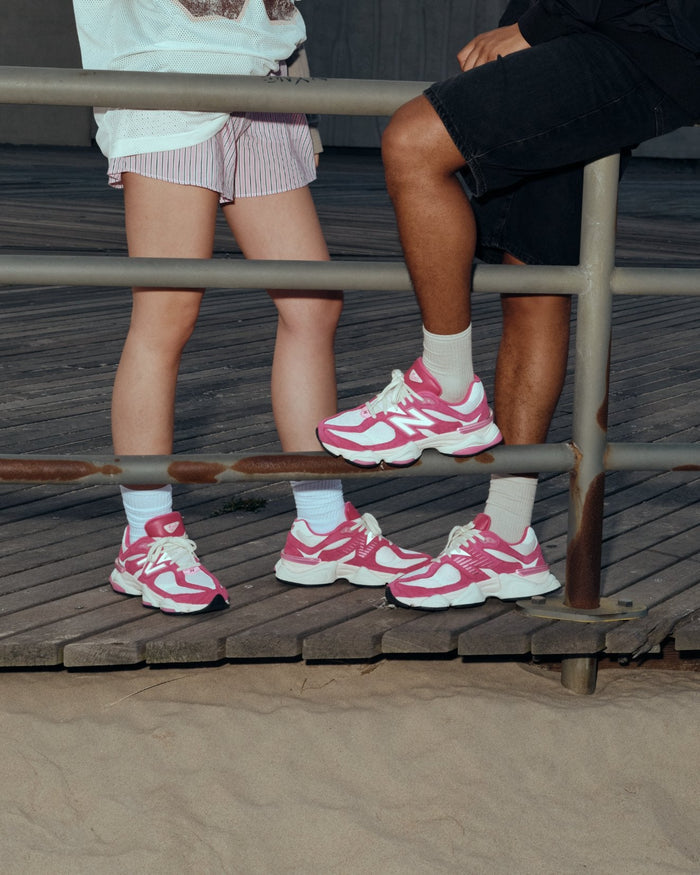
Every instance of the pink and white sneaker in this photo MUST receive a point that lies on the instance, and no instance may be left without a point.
(356, 550)
(407, 417)
(164, 570)
(476, 564)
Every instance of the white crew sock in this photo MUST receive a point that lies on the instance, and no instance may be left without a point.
(448, 357)
(142, 505)
(320, 503)
(509, 504)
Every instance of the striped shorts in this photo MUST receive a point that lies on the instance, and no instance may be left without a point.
(254, 154)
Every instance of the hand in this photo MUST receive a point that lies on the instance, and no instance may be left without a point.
(490, 45)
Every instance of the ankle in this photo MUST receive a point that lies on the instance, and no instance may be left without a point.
(448, 357)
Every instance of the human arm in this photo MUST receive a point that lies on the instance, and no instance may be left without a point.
(524, 25)
(675, 20)
(548, 19)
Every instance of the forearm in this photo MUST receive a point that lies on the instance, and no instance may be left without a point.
(541, 21)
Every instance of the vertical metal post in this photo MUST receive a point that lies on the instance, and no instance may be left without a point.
(579, 674)
(591, 385)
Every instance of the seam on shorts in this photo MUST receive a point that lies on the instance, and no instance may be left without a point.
(479, 186)
(562, 125)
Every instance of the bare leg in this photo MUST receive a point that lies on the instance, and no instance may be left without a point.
(162, 220)
(530, 373)
(285, 226)
(531, 365)
(436, 223)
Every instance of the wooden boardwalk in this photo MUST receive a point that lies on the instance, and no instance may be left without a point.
(60, 346)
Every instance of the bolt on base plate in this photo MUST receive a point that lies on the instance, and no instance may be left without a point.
(610, 610)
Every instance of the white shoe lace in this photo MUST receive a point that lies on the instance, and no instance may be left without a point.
(459, 537)
(392, 395)
(179, 550)
(369, 525)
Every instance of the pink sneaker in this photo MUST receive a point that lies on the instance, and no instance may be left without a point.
(356, 551)
(407, 417)
(476, 564)
(164, 570)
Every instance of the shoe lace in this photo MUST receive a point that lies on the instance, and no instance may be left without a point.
(460, 536)
(179, 550)
(369, 526)
(391, 395)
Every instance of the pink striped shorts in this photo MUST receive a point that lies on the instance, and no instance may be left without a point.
(254, 154)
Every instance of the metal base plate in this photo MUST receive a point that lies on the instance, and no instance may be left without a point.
(610, 610)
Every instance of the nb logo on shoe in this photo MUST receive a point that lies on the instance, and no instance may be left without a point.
(412, 421)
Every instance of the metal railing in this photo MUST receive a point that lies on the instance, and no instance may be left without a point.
(595, 281)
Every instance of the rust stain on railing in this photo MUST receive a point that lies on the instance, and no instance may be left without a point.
(583, 553)
(52, 470)
(291, 463)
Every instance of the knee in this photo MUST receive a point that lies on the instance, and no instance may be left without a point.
(416, 144)
(312, 318)
(536, 326)
(164, 321)
(409, 137)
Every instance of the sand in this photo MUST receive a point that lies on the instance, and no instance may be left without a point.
(395, 767)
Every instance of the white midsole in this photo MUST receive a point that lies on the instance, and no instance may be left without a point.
(122, 581)
(453, 444)
(324, 573)
(510, 586)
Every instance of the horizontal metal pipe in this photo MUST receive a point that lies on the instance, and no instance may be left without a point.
(237, 273)
(655, 281)
(203, 92)
(210, 469)
(234, 273)
(652, 457)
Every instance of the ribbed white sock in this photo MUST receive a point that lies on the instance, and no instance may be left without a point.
(448, 357)
(320, 503)
(141, 505)
(509, 504)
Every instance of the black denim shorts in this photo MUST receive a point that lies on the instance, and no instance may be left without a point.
(528, 122)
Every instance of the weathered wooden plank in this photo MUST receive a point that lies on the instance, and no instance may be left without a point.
(124, 644)
(78, 585)
(44, 646)
(205, 640)
(439, 632)
(42, 615)
(569, 638)
(506, 635)
(686, 633)
(645, 633)
(360, 638)
(283, 637)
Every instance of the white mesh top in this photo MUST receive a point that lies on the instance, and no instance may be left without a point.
(239, 37)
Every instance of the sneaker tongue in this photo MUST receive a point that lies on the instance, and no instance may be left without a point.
(482, 522)
(350, 512)
(420, 379)
(169, 525)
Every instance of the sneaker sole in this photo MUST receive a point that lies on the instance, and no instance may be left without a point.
(326, 573)
(401, 457)
(124, 584)
(511, 587)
